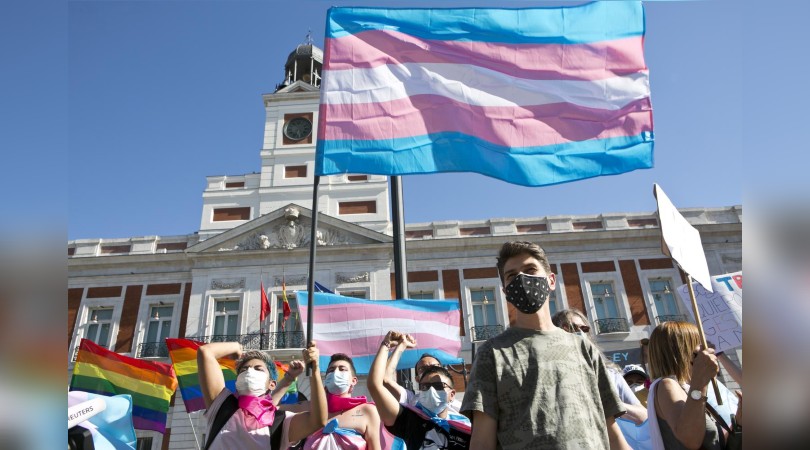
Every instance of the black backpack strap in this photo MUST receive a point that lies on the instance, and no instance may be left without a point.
(229, 406)
(226, 410)
(276, 429)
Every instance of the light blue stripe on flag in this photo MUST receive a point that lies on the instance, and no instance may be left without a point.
(455, 152)
(596, 21)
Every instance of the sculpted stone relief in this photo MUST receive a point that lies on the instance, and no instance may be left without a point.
(290, 235)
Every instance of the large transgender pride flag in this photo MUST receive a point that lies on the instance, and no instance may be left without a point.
(356, 327)
(530, 96)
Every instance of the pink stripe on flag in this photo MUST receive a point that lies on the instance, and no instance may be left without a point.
(369, 345)
(523, 126)
(332, 314)
(593, 61)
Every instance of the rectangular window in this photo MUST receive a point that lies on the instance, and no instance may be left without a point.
(483, 307)
(666, 305)
(604, 299)
(354, 294)
(234, 184)
(368, 207)
(172, 246)
(226, 316)
(295, 171)
(552, 302)
(158, 329)
(532, 228)
(293, 322)
(114, 249)
(587, 225)
(225, 214)
(144, 443)
(358, 177)
(99, 325)
(427, 295)
(476, 231)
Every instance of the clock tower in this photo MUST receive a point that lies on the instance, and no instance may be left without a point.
(288, 163)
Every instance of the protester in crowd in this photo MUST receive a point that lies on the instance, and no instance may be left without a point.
(677, 406)
(534, 385)
(407, 396)
(429, 424)
(353, 422)
(574, 321)
(249, 419)
(637, 378)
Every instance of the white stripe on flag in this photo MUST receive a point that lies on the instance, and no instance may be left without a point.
(477, 86)
(375, 327)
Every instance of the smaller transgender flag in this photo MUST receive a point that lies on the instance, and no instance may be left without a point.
(532, 96)
(356, 327)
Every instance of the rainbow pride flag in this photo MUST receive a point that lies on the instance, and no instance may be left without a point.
(183, 353)
(291, 396)
(151, 384)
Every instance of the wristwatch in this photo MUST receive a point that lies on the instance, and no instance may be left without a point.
(695, 394)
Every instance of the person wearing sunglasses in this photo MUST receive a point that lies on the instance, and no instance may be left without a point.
(429, 424)
(406, 396)
(534, 385)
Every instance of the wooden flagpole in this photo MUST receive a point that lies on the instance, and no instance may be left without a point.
(699, 324)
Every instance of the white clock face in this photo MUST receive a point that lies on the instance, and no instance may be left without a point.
(298, 128)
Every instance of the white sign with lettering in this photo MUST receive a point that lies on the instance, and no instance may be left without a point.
(720, 311)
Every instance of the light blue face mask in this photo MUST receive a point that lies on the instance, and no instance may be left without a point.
(338, 381)
(432, 400)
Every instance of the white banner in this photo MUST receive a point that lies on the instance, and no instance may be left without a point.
(720, 311)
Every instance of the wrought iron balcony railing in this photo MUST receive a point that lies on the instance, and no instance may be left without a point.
(484, 332)
(152, 350)
(614, 325)
(260, 341)
(672, 318)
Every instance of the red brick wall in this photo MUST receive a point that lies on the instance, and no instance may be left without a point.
(129, 315)
(635, 296)
(74, 300)
(452, 289)
(103, 292)
(184, 312)
(163, 289)
(598, 266)
(423, 275)
(484, 272)
(656, 263)
(572, 288)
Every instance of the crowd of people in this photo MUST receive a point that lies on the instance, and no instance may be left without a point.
(541, 384)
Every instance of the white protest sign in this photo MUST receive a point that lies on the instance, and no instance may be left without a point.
(720, 311)
(681, 240)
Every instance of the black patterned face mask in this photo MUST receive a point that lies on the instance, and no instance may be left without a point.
(527, 293)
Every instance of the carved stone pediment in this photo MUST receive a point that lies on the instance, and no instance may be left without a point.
(288, 228)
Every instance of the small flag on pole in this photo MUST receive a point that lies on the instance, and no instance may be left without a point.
(531, 96)
(265, 305)
(285, 303)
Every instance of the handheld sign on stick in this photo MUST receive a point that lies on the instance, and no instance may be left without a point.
(681, 242)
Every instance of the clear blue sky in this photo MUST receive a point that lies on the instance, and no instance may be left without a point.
(163, 94)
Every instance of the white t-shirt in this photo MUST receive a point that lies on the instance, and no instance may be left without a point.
(242, 430)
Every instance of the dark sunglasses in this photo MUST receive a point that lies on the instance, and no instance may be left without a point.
(437, 385)
(583, 328)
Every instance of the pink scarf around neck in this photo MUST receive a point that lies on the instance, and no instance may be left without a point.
(262, 408)
(336, 403)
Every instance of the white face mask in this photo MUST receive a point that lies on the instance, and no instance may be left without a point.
(432, 400)
(252, 382)
(338, 381)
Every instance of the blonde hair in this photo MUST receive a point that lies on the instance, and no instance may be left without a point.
(670, 350)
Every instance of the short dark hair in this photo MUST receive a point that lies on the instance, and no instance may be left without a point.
(425, 355)
(430, 370)
(343, 357)
(515, 248)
